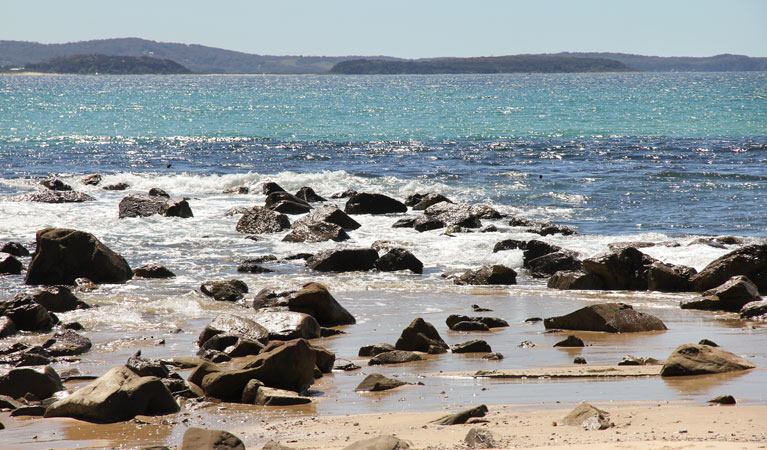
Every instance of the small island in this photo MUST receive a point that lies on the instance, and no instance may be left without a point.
(110, 65)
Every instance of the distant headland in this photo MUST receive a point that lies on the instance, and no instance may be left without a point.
(142, 56)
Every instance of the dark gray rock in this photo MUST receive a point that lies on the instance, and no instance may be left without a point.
(394, 357)
(55, 184)
(55, 298)
(509, 244)
(48, 196)
(40, 381)
(723, 400)
(91, 180)
(10, 266)
(252, 266)
(145, 367)
(365, 203)
(233, 325)
(377, 382)
(289, 206)
(473, 346)
(288, 325)
(14, 249)
(262, 220)
(754, 309)
(429, 200)
(466, 216)
(64, 255)
(488, 275)
(420, 336)
(121, 186)
(428, 223)
(623, 270)
(490, 322)
(330, 214)
(375, 349)
(344, 260)
(270, 187)
(570, 341)
(551, 263)
(399, 259)
(316, 232)
(609, 317)
(149, 205)
(575, 281)
(7, 327)
(153, 271)
(535, 249)
(307, 194)
(469, 325)
(26, 314)
(315, 299)
(407, 222)
(344, 194)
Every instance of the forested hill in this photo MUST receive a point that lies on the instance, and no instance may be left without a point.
(718, 63)
(498, 64)
(101, 64)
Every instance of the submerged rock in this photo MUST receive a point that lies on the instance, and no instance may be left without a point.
(153, 271)
(11, 266)
(365, 203)
(496, 274)
(226, 290)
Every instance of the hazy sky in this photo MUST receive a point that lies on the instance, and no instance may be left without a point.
(405, 28)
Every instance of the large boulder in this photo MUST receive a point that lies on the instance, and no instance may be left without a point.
(609, 317)
(730, 296)
(315, 299)
(316, 232)
(625, 269)
(365, 203)
(421, 336)
(230, 324)
(287, 325)
(200, 439)
(55, 298)
(697, 359)
(487, 275)
(344, 260)
(570, 280)
(26, 314)
(64, 255)
(329, 214)
(669, 278)
(116, 396)
(259, 220)
(148, 205)
(399, 259)
(41, 381)
(750, 260)
(551, 263)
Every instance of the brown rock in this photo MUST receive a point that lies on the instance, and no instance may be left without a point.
(315, 299)
(696, 359)
(200, 439)
(609, 317)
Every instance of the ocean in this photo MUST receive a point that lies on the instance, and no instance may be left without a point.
(668, 159)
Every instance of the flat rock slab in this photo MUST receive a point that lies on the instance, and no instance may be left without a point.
(377, 382)
(573, 372)
(463, 416)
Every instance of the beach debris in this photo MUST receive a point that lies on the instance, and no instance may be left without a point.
(462, 417)
(329, 214)
(343, 260)
(11, 266)
(723, 400)
(496, 274)
(377, 382)
(609, 317)
(399, 259)
(64, 255)
(731, 296)
(480, 438)
(307, 194)
(421, 336)
(116, 396)
(259, 220)
(570, 341)
(201, 439)
(40, 381)
(379, 443)
(225, 290)
(315, 299)
(374, 349)
(473, 346)
(394, 357)
(588, 417)
(15, 249)
(366, 203)
(696, 359)
(153, 271)
(750, 261)
(137, 205)
(288, 325)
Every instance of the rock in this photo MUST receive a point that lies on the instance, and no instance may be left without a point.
(267, 297)
(535, 249)
(250, 391)
(252, 266)
(754, 309)
(364, 203)
(26, 314)
(609, 317)
(428, 200)
(490, 322)
(587, 416)
(495, 356)
(723, 400)
(394, 357)
(466, 216)
(54, 298)
(157, 192)
(279, 397)
(91, 180)
(579, 360)
(121, 186)
(413, 199)
(379, 443)
(708, 342)
(241, 190)
(230, 345)
(732, 295)
(428, 223)
(68, 343)
(262, 220)
(63, 255)
(330, 214)
(83, 284)
(377, 382)
(11, 266)
(200, 439)
(145, 367)
(344, 194)
(575, 281)
(399, 259)
(549, 264)
(48, 196)
(480, 438)
(375, 349)
(7, 402)
(629, 360)
(231, 324)
(548, 229)
(669, 278)
(288, 325)
(344, 260)
(570, 341)
(474, 346)
(509, 244)
(271, 187)
(153, 271)
(148, 205)
(420, 336)
(273, 445)
(407, 222)
(315, 299)
(14, 249)
(469, 325)
(227, 290)
(496, 274)
(40, 381)
(696, 359)
(750, 261)
(462, 417)
(29, 411)
(316, 232)
(623, 270)
(55, 184)
(289, 206)
(478, 308)
(307, 194)
(7, 327)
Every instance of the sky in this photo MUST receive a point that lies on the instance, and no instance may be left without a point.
(405, 28)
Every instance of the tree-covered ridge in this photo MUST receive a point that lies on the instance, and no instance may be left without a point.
(497, 64)
(113, 65)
